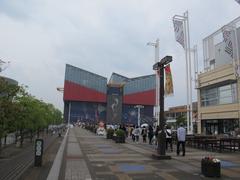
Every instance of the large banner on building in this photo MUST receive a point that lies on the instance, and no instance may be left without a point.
(228, 40)
(114, 104)
(168, 81)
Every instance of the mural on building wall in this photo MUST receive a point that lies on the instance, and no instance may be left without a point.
(86, 112)
(114, 105)
(130, 115)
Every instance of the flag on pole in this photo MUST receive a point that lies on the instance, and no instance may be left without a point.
(238, 1)
(168, 81)
(228, 40)
(179, 34)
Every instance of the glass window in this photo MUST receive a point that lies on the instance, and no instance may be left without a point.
(219, 95)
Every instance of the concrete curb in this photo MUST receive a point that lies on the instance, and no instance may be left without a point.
(55, 170)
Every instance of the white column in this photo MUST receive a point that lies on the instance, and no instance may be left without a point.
(187, 75)
(138, 116)
(190, 76)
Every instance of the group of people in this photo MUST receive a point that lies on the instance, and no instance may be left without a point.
(136, 132)
(152, 134)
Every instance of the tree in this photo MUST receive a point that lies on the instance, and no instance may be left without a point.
(181, 119)
(22, 112)
(8, 94)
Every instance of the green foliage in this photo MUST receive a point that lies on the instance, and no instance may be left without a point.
(120, 133)
(181, 119)
(110, 131)
(20, 111)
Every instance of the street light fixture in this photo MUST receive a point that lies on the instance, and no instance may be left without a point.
(139, 107)
(162, 136)
(61, 89)
(156, 45)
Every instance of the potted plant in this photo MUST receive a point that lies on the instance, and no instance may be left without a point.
(120, 136)
(110, 133)
(211, 167)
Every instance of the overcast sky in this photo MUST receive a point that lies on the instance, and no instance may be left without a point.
(102, 36)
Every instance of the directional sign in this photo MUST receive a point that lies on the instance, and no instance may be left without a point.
(38, 152)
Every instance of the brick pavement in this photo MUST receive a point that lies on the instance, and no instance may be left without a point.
(88, 156)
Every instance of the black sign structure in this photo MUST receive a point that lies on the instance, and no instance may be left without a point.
(114, 104)
(38, 152)
(161, 150)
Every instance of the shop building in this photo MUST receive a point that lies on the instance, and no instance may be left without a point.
(218, 84)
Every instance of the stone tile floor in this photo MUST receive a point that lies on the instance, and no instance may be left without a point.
(99, 158)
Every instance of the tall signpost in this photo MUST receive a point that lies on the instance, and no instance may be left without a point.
(161, 150)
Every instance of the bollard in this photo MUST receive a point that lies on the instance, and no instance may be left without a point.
(38, 152)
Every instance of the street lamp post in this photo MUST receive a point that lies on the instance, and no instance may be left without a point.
(156, 45)
(161, 150)
(139, 107)
(61, 89)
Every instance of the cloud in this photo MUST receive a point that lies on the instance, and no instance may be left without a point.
(39, 37)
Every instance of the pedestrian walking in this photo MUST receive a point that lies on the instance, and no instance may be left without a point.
(144, 134)
(137, 133)
(168, 132)
(156, 134)
(150, 134)
(132, 132)
(181, 138)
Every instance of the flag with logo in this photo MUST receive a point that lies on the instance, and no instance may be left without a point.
(228, 42)
(179, 34)
(168, 81)
(238, 1)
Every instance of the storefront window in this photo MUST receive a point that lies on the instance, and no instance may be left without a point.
(219, 95)
(221, 126)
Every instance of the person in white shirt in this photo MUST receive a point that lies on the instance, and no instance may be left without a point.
(181, 137)
(168, 132)
(137, 133)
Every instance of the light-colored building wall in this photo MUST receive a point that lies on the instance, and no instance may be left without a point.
(218, 76)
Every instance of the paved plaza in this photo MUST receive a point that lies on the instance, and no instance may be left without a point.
(87, 156)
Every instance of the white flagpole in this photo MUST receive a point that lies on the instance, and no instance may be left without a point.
(187, 80)
(195, 64)
(190, 75)
(186, 45)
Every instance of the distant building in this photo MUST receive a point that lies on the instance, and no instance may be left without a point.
(173, 113)
(218, 86)
(86, 95)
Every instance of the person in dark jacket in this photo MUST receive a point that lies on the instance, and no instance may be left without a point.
(156, 134)
(150, 134)
(144, 134)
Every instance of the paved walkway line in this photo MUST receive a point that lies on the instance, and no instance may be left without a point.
(76, 167)
(55, 170)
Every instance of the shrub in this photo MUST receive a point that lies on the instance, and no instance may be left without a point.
(110, 131)
(120, 133)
